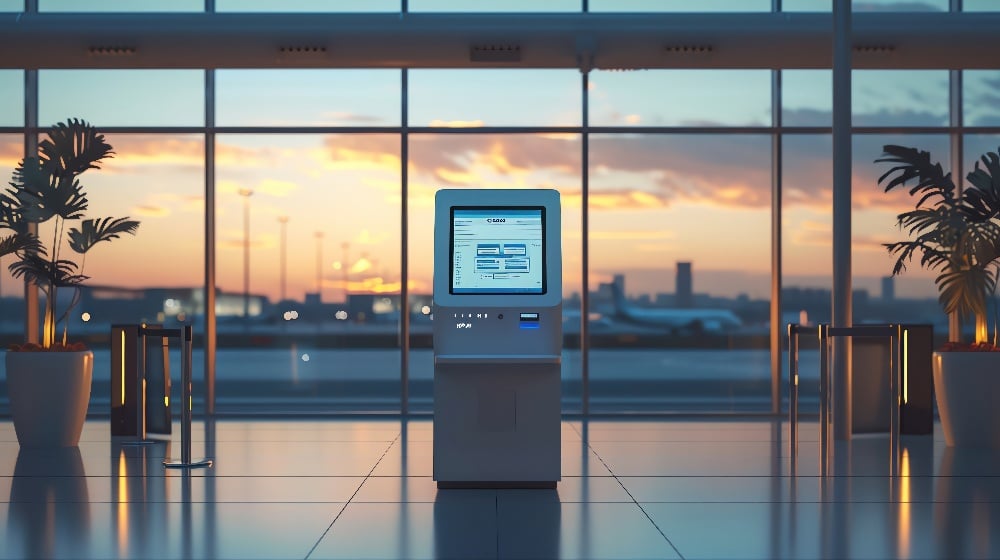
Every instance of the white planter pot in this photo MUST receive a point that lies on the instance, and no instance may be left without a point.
(49, 393)
(967, 388)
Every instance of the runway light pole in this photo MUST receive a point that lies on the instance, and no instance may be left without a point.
(319, 266)
(346, 269)
(245, 193)
(283, 220)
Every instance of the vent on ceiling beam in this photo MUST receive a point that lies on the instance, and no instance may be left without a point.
(688, 49)
(874, 49)
(107, 50)
(495, 52)
(293, 50)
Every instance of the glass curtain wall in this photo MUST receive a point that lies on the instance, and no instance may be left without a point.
(308, 189)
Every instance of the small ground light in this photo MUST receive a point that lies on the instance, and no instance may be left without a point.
(85, 317)
(341, 315)
(305, 357)
(426, 310)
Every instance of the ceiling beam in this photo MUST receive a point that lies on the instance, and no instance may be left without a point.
(604, 41)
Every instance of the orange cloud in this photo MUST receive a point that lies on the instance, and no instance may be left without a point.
(151, 211)
(10, 154)
(457, 124)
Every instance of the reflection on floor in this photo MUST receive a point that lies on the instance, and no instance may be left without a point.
(630, 489)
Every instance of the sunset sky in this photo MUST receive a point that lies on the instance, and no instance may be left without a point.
(656, 198)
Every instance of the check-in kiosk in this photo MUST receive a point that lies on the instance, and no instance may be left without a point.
(497, 338)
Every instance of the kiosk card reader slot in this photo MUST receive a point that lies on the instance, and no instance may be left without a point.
(497, 338)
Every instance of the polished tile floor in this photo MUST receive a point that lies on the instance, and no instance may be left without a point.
(630, 489)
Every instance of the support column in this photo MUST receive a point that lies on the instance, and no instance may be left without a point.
(956, 121)
(777, 329)
(404, 249)
(210, 330)
(31, 149)
(842, 425)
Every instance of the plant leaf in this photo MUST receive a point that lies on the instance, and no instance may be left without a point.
(93, 231)
(21, 244)
(72, 148)
(37, 270)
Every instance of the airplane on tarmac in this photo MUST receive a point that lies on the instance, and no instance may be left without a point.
(678, 320)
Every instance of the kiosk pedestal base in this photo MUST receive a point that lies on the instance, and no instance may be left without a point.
(497, 425)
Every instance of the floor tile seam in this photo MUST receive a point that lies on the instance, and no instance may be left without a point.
(637, 504)
(356, 490)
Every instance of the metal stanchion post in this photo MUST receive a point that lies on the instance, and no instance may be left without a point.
(139, 390)
(186, 405)
(895, 371)
(793, 391)
(824, 398)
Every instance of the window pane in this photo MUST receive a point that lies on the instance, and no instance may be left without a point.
(807, 253)
(308, 318)
(874, 223)
(680, 272)
(871, 5)
(307, 5)
(900, 6)
(976, 146)
(11, 98)
(156, 276)
(11, 152)
(805, 5)
(495, 6)
(680, 6)
(806, 97)
(123, 97)
(121, 6)
(494, 161)
(900, 97)
(980, 98)
(681, 98)
(308, 97)
(11, 5)
(11, 290)
(980, 6)
(491, 97)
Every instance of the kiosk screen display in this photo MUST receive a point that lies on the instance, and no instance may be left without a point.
(498, 250)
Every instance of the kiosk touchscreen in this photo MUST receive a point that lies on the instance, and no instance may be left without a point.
(497, 338)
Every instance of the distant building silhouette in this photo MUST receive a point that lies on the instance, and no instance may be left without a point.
(685, 286)
(888, 288)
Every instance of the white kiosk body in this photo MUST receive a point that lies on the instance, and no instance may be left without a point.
(497, 338)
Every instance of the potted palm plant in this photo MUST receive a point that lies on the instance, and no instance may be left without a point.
(49, 382)
(956, 234)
